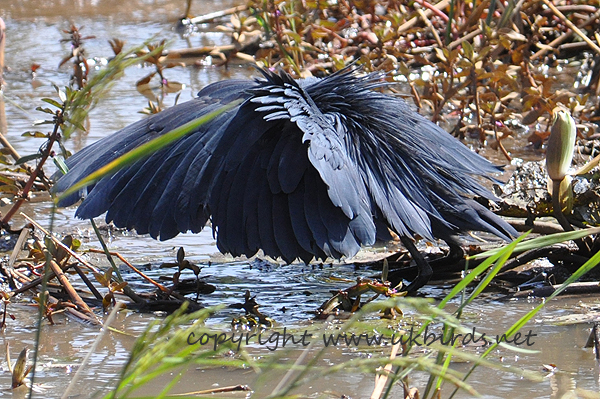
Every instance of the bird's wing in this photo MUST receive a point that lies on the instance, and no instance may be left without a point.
(299, 169)
(302, 195)
(392, 190)
(135, 196)
(418, 176)
(271, 174)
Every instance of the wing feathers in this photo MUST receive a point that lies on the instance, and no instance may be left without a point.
(301, 169)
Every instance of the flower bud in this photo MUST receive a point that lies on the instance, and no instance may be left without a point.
(559, 151)
(565, 193)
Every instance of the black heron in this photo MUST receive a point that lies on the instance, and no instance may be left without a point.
(309, 168)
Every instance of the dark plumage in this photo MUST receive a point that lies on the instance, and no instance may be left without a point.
(305, 169)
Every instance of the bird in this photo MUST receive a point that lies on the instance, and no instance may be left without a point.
(302, 169)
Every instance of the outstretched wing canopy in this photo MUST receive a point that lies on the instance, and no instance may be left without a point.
(301, 169)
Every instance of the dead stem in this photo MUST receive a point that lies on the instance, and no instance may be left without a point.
(381, 379)
(430, 26)
(565, 36)
(63, 246)
(122, 259)
(465, 38)
(87, 281)
(217, 14)
(500, 145)
(37, 171)
(412, 22)
(572, 26)
(66, 284)
(233, 388)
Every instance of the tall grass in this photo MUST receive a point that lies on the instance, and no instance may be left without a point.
(166, 349)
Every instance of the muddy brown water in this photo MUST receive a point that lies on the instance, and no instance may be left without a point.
(34, 34)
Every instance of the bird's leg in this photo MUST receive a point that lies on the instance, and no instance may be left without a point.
(424, 270)
(452, 262)
(456, 252)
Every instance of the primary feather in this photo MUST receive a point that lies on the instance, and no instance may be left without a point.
(300, 169)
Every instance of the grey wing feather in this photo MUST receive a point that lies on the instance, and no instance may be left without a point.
(301, 169)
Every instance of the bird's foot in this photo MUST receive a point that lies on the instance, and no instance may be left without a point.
(424, 269)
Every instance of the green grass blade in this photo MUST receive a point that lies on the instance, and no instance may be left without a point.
(540, 242)
(586, 267)
(501, 253)
(504, 255)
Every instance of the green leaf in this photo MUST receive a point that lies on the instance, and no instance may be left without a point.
(53, 102)
(42, 122)
(468, 50)
(61, 165)
(7, 180)
(64, 152)
(46, 110)
(9, 188)
(36, 133)
(62, 96)
(504, 255)
(75, 244)
(77, 124)
(501, 254)
(585, 268)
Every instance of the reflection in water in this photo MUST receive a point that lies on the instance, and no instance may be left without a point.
(562, 385)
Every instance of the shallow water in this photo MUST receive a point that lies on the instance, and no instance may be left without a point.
(34, 34)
